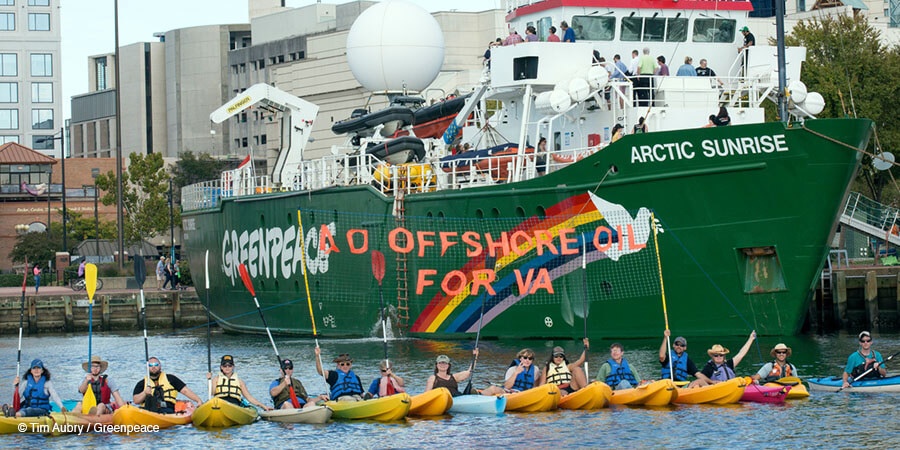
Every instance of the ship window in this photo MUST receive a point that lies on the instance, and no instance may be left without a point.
(543, 28)
(592, 28)
(525, 68)
(761, 270)
(714, 30)
(676, 30)
(654, 29)
(631, 29)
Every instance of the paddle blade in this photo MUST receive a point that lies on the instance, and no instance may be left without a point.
(206, 270)
(140, 270)
(245, 277)
(378, 265)
(89, 401)
(90, 280)
(16, 402)
(468, 389)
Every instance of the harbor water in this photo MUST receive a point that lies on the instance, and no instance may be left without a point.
(825, 420)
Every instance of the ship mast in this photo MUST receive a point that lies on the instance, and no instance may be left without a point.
(782, 68)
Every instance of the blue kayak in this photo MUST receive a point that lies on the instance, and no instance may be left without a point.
(833, 384)
(478, 404)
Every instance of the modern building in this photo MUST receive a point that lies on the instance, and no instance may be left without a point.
(30, 75)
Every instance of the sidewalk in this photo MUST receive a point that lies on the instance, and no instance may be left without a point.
(55, 291)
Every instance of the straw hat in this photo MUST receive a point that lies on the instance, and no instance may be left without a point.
(95, 359)
(343, 357)
(717, 349)
(781, 347)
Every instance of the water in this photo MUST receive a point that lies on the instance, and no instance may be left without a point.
(826, 420)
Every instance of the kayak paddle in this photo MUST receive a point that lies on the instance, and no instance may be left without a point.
(209, 390)
(378, 271)
(312, 316)
(16, 402)
(489, 261)
(663, 290)
(245, 277)
(90, 283)
(584, 307)
(870, 370)
(140, 275)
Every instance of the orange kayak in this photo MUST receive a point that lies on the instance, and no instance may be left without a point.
(717, 394)
(593, 396)
(132, 415)
(537, 399)
(435, 402)
(657, 393)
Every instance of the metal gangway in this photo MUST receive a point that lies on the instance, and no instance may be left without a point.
(872, 218)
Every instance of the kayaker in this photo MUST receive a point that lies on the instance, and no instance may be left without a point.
(344, 384)
(105, 390)
(444, 378)
(35, 393)
(569, 377)
(616, 372)
(388, 383)
(520, 376)
(682, 363)
(232, 389)
(719, 368)
(158, 394)
(288, 393)
(862, 360)
(780, 367)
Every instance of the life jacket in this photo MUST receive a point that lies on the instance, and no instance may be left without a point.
(163, 392)
(229, 388)
(862, 368)
(452, 385)
(347, 384)
(35, 394)
(559, 375)
(779, 372)
(525, 379)
(722, 373)
(619, 372)
(285, 394)
(101, 389)
(679, 363)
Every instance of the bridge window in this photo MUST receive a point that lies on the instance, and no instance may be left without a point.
(654, 29)
(714, 30)
(591, 28)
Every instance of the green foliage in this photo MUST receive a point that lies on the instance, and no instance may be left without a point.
(145, 200)
(855, 72)
(36, 247)
(80, 228)
(191, 169)
(15, 279)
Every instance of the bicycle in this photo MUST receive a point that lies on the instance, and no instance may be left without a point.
(78, 285)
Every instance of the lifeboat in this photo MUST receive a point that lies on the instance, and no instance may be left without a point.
(401, 150)
(363, 123)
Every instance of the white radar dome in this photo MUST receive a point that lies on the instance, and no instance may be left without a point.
(395, 46)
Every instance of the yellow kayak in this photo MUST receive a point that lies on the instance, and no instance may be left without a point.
(593, 396)
(798, 390)
(384, 409)
(218, 413)
(537, 399)
(657, 393)
(435, 402)
(132, 415)
(55, 424)
(717, 394)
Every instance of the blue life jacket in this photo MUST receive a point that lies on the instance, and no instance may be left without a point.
(346, 384)
(525, 379)
(35, 395)
(679, 363)
(619, 372)
(722, 373)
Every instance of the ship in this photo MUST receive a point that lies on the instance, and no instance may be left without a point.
(532, 215)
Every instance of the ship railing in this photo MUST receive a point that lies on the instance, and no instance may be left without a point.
(202, 195)
(511, 5)
(340, 170)
(871, 212)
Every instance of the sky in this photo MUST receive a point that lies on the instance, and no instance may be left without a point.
(88, 26)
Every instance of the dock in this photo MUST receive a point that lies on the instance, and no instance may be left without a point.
(62, 310)
(855, 298)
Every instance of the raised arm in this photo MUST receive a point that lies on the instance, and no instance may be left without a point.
(319, 369)
(664, 348)
(743, 352)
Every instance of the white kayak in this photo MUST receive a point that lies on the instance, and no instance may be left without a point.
(313, 414)
(478, 404)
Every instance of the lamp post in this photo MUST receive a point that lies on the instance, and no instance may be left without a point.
(120, 217)
(171, 220)
(62, 140)
(94, 173)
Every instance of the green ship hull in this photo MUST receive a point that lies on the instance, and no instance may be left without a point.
(745, 214)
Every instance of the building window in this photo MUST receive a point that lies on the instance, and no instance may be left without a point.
(42, 119)
(42, 92)
(262, 139)
(38, 2)
(243, 142)
(7, 22)
(8, 65)
(9, 92)
(38, 22)
(100, 66)
(41, 65)
(8, 3)
(9, 119)
(5, 139)
(42, 142)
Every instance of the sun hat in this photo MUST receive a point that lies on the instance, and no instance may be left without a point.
(717, 349)
(343, 357)
(442, 358)
(95, 359)
(781, 346)
(682, 340)
(745, 29)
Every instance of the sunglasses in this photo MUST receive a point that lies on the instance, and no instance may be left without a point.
(344, 364)
(781, 352)
(717, 355)
(383, 370)
(865, 340)
(153, 364)
(527, 357)
(288, 367)
(228, 365)
(559, 355)
(443, 362)
(37, 367)
(679, 344)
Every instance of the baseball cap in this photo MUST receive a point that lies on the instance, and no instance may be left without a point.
(227, 359)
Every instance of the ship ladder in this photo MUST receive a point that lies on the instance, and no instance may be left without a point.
(402, 271)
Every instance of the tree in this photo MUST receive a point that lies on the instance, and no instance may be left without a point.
(37, 247)
(80, 228)
(145, 185)
(855, 72)
(190, 169)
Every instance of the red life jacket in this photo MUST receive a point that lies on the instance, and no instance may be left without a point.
(101, 390)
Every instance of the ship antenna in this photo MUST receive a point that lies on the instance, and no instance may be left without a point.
(782, 67)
